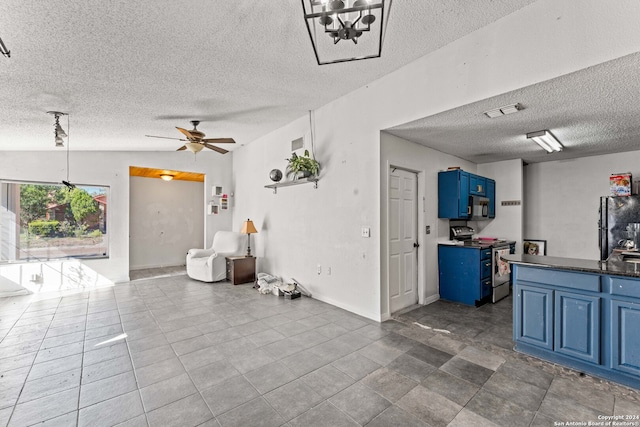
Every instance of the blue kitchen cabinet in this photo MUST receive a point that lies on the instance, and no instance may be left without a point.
(491, 195)
(464, 274)
(577, 326)
(533, 316)
(625, 339)
(454, 189)
(477, 185)
(453, 194)
(586, 321)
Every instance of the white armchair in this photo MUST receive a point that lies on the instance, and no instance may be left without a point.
(209, 265)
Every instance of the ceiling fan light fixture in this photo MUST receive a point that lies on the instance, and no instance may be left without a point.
(166, 177)
(194, 147)
(546, 140)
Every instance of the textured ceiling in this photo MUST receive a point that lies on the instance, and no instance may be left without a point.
(124, 69)
(592, 111)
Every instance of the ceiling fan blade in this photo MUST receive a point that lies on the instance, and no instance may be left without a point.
(184, 147)
(165, 137)
(214, 148)
(186, 133)
(220, 140)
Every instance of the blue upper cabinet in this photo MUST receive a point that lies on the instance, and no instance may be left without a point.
(454, 189)
(453, 194)
(477, 185)
(491, 195)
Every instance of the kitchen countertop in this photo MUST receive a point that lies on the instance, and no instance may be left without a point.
(613, 266)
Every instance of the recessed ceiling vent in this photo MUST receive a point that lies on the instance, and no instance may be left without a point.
(503, 111)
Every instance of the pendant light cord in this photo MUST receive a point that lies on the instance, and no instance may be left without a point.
(312, 129)
(68, 141)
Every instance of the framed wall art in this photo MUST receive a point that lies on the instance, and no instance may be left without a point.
(534, 247)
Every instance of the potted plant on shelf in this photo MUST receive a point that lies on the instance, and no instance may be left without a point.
(302, 166)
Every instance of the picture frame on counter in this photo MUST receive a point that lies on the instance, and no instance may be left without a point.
(534, 247)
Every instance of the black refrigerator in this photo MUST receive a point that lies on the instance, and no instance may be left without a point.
(616, 213)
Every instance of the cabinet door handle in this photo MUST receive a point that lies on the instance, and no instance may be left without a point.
(488, 264)
(468, 210)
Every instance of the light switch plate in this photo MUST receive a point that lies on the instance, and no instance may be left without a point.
(366, 232)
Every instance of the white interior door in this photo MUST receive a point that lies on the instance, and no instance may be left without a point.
(403, 239)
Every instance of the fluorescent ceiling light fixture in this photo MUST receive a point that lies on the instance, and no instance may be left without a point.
(166, 177)
(546, 140)
(503, 111)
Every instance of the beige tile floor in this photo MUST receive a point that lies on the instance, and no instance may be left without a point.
(172, 351)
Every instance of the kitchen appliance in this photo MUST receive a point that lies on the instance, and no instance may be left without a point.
(500, 272)
(479, 208)
(619, 224)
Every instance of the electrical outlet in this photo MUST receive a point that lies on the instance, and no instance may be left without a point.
(366, 232)
(319, 269)
(427, 229)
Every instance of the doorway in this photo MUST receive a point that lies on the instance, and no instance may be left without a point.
(403, 239)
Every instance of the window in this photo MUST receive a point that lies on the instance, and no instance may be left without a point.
(44, 221)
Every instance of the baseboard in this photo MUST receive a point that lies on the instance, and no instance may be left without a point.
(146, 267)
(21, 292)
(431, 299)
(354, 310)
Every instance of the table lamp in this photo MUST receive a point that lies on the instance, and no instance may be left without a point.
(248, 228)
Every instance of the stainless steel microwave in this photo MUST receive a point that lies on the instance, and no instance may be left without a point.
(479, 207)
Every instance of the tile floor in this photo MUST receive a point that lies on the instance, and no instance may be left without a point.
(172, 351)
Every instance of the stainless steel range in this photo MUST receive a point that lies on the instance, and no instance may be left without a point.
(501, 274)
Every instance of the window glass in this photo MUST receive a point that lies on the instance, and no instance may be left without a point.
(44, 221)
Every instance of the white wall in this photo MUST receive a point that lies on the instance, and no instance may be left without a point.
(112, 169)
(562, 201)
(397, 152)
(157, 209)
(303, 227)
(508, 223)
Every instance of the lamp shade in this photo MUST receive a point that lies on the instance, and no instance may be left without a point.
(194, 147)
(248, 227)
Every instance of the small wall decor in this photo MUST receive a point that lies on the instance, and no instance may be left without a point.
(275, 175)
(224, 202)
(534, 247)
(213, 208)
(216, 190)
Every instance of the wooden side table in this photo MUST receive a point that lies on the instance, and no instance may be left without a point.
(241, 269)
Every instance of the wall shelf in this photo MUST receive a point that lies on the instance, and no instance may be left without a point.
(290, 183)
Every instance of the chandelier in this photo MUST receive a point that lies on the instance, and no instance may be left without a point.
(345, 30)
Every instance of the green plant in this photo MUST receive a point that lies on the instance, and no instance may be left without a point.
(300, 164)
(43, 228)
(95, 234)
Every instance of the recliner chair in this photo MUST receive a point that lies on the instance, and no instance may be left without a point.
(209, 265)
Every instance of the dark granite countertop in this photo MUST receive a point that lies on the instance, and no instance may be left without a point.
(615, 265)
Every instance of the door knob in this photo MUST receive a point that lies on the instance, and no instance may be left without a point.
(416, 245)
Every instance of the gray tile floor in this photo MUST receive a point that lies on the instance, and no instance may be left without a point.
(172, 351)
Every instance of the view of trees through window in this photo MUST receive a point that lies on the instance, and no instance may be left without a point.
(51, 221)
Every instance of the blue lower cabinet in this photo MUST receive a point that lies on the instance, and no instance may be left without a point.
(585, 321)
(464, 274)
(625, 337)
(577, 326)
(533, 316)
